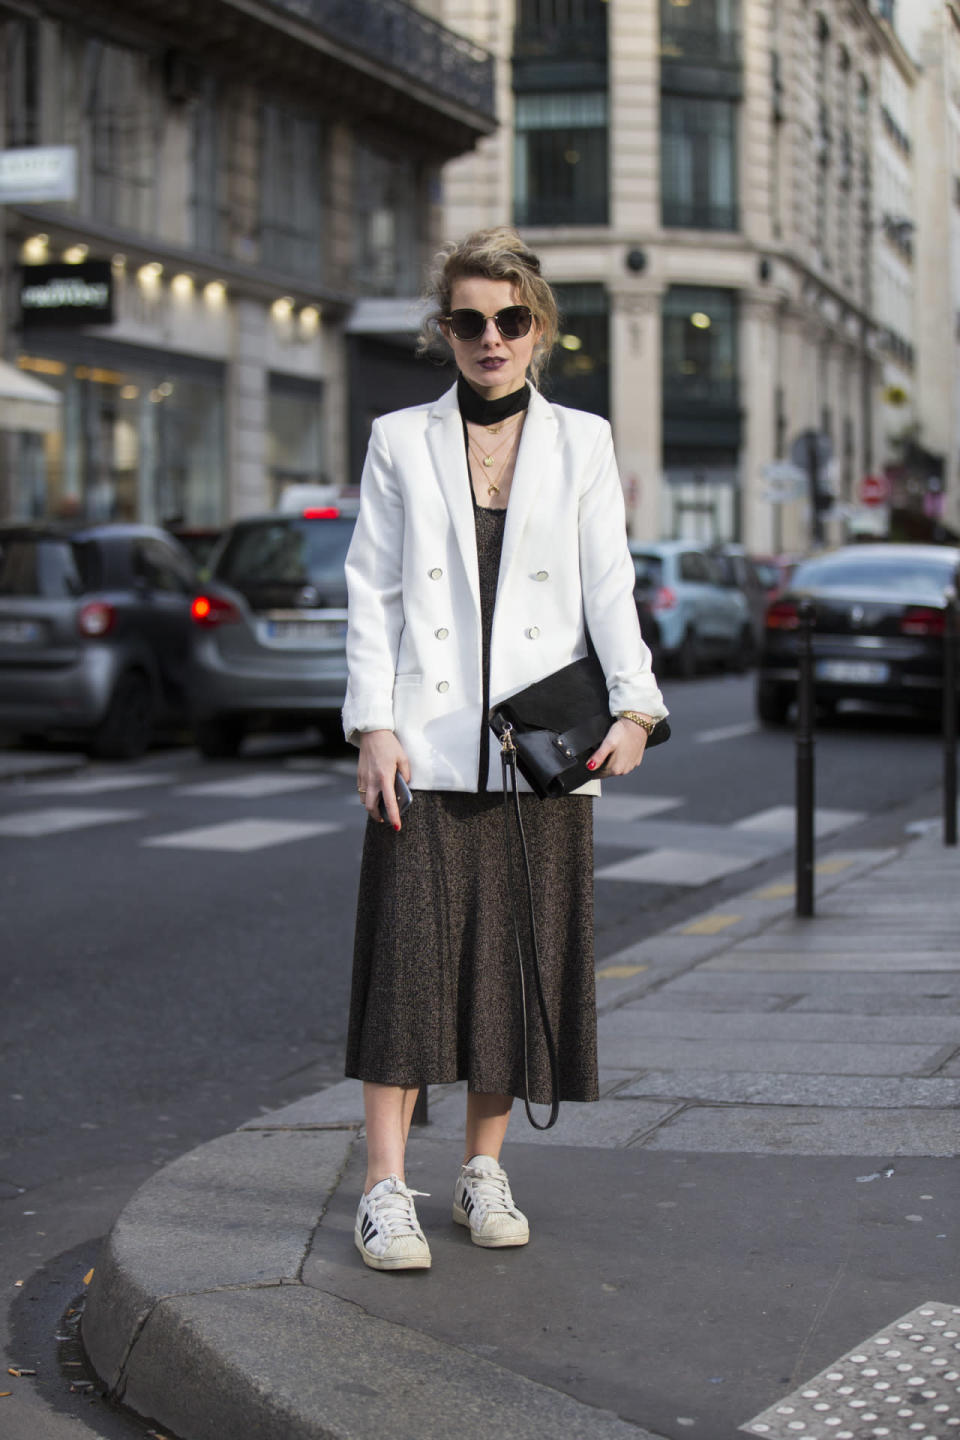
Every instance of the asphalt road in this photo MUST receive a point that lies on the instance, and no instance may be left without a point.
(161, 984)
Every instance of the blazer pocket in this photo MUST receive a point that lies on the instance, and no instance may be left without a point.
(410, 678)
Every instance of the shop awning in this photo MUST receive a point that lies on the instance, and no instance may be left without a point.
(26, 403)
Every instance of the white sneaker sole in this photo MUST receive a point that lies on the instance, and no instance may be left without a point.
(489, 1242)
(390, 1262)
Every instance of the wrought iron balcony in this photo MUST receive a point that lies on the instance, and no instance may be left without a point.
(404, 39)
(695, 45)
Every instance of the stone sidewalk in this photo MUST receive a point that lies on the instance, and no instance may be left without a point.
(768, 1181)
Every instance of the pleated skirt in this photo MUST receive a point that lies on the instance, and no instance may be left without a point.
(436, 989)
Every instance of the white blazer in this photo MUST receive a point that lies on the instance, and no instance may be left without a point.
(414, 631)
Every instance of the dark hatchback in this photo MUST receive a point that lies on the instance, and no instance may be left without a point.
(270, 627)
(94, 634)
(878, 637)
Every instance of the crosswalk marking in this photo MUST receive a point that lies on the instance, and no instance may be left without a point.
(782, 820)
(255, 787)
(241, 835)
(31, 824)
(675, 867)
(634, 807)
(98, 784)
(726, 732)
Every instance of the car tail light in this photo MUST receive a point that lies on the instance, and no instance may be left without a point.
(322, 512)
(211, 610)
(96, 618)
(922, 620)
(665, 598)
(783, 615)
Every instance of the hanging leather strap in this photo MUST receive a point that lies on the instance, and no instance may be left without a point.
(508, 768)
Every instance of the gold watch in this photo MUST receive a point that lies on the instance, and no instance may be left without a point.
(643, 721)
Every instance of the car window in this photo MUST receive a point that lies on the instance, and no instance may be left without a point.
(767, 575)
(160, 567)
(693, 566)
(648, 570)
(895, 573)
(287, 552)
(51, 568)
(724, 569)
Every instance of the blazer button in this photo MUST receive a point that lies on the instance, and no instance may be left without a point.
(443, 686)
(441, 634)
(542, 575)
(534, 632)
(436, 573)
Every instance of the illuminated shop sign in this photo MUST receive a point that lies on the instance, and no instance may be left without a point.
(58, 295)
(35, 174)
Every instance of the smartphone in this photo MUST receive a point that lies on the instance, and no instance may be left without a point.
(404, 797)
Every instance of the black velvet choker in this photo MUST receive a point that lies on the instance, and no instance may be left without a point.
(478, 411)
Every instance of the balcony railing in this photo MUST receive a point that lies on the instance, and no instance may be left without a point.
(698, 215)
(695, 45)
(401, 37)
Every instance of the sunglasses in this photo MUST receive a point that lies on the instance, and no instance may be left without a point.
(513, 322)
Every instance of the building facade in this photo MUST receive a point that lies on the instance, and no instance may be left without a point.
(722, 192)
(256, 191)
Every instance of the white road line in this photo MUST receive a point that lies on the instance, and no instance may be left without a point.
(97, 784)
(31, 824)
(725, 732)
(675, 867)
(242, 835)
(634, 807)
(782, 820)
(254, 787)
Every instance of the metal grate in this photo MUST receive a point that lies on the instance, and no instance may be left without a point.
(903, 1383)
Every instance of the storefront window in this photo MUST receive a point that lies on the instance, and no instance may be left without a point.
(294, 448)
(138, 442)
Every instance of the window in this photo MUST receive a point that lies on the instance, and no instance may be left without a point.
(579, 366)
(294, 439)
(387, 209)
(700, 346)
(698, 142)
(22, 82)
(291, 191)
(208, 202)
(704, 32)
(560, 159)
(694, 567)
(122, 115)
(160, 569)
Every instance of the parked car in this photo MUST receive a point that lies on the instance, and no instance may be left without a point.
(644, 596)
(736, 568)
(269, 629)
(878, 618)
(774, 572)
(699, 620)
(94, 633)
(198, 540)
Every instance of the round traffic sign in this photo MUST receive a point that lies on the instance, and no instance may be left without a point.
(874, 489)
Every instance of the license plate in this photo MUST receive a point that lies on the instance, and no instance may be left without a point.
(306, 632)
(853, 672)
(19, 632)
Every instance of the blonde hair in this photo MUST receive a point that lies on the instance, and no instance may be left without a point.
(497, 254)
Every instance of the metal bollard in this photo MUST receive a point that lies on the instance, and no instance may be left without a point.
(805, 767)
(420, 1116)
(950, 629)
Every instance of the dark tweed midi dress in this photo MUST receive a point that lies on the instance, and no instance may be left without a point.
(436, 994)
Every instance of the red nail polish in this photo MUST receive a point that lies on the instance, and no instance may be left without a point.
(396, 827)
(591, 764)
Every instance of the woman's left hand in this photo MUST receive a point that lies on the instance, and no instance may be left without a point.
(621, 751)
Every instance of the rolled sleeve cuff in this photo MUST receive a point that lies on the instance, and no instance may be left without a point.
(359, 717)
(645, 699)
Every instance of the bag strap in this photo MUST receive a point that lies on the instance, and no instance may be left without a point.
(508, 767)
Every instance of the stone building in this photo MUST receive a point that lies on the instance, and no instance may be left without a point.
(701, 178)
(215, 298)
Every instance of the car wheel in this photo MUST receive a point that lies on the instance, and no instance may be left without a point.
(773, 703)
(126, 729)
(687, 657)
(220, 737)
(744, 654)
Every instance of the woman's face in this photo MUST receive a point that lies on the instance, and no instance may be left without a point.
(492, 365)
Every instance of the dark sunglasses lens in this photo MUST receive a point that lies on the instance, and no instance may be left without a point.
(467, 324)
(514, 322)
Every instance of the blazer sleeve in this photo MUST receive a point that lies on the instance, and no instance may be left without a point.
(607, 580)
(374, 595)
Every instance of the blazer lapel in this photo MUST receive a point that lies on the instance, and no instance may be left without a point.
(534, 464)
(445, 442)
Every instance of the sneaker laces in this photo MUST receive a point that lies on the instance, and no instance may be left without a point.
(489, 1189)
(393, 1210)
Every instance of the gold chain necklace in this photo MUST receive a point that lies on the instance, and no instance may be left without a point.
(487, 462)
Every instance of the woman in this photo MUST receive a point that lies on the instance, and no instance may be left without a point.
(490, 539)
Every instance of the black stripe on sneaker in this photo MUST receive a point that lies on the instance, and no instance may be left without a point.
(467, 1202)
(367, 1229)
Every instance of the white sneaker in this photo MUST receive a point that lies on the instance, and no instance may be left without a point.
(387, 1232)
(482, 1200)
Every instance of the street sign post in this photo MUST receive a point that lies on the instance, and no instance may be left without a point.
(874, 490)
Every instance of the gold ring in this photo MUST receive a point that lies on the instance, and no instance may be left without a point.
(360, 792)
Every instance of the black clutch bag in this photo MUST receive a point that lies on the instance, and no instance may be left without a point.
(558, 723)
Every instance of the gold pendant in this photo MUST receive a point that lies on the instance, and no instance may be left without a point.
(488, 460)
(493, 489)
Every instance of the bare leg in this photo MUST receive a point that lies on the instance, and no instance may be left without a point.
(388, 1110)
(487, 1119)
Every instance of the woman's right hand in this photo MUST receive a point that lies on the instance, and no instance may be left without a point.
(381, 756)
